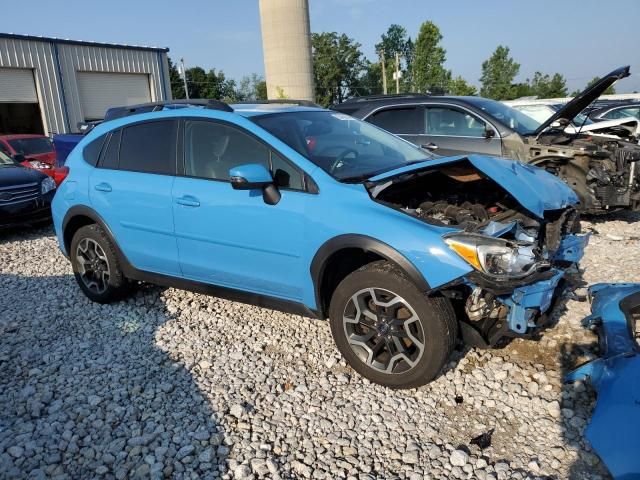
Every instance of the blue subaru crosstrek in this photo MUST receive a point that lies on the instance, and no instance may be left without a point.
(313, 212)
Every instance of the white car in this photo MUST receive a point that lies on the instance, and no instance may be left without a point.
(541, 110)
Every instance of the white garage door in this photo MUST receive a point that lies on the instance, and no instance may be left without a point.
(100, 91)
(17, 85)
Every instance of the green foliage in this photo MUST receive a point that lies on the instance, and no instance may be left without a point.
(498, 73)
(544, 86)
(251, 87)
(428, 72)
(459, 86)
(396, 40)
(177, 87)
(370, 82)
(609, 91)
(338, 65)
(210, 84)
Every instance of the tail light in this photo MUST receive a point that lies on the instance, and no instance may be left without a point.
(59, 174)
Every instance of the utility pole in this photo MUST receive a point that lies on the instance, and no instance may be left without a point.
(384, 72)
(397, 73)
(184, 78)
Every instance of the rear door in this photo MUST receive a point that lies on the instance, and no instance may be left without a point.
(131, 191)
(453, 130)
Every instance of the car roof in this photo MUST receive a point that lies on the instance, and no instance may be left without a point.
(368, 103)
(254, 109)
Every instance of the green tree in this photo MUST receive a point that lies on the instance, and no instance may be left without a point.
(338, 65)
(498, 73)
(251, 87)
(428, 72)
(544, 86)
(396, 40)
(211, 84)
(609, 91)
(175, 79)
(459, 86)
(370, 82)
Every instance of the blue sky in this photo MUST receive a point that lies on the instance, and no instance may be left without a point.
(578, 38)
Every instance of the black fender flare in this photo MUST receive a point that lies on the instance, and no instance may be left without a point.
(85, 211)
(368, 244)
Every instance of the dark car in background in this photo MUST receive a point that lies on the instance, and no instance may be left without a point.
(602, 171)
(25, 194)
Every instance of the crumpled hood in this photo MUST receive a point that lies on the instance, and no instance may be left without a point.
(534, 188)
(584, 98)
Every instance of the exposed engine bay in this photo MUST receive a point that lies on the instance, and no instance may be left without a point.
(603, 172)
(460, 196)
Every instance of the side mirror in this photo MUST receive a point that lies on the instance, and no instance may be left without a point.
(489, 132)
(19, 158)
(252, 176)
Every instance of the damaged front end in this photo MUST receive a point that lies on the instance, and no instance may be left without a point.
(614, 429)
(515, 225)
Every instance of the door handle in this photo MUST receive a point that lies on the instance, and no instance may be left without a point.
(429, 146)
(103, 187)
(188, 201)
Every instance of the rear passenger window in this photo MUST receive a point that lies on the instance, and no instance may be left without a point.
(91, 152)
(149, 147)
(408, 120)
(109, 157)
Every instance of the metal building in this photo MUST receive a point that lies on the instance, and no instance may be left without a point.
(48, 85)
(286, 43)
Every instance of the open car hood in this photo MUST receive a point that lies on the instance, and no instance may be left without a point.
(584, 98)
(534, 188)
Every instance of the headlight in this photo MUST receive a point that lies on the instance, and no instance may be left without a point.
(39, 165)
(47, 185)
(494, 256)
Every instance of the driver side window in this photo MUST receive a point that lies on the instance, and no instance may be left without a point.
(211, 149)
(453, 122)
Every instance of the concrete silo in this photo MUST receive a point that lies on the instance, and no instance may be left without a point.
(286, 43)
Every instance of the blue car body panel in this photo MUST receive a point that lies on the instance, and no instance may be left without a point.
(614, 428)
(269, 249)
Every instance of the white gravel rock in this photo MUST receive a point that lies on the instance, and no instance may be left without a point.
(171, 384)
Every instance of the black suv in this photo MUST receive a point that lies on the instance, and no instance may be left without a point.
(602, 170)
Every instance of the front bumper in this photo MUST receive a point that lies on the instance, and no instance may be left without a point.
(614, 429)
(31, 211)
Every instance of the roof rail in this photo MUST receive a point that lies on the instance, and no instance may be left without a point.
(382, 96)
(282, 101)
(120, 112)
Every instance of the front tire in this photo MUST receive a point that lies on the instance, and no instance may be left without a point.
(96, 267)
(387, 330)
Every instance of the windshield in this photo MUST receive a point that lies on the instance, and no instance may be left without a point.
(579, 119)
(512, 118)
(31, 146)
(345, 148)
(5, 161)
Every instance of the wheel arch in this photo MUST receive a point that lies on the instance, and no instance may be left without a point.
(80, 216)
(342, 255)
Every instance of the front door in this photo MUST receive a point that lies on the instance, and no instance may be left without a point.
(232, 238)
(454, 131)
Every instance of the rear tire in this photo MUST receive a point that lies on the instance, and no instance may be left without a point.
(404, 344)
(96, 267)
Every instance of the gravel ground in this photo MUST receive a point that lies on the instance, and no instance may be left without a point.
(180, 385)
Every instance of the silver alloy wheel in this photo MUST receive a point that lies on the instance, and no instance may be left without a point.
(383, 330)
(93, 265)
